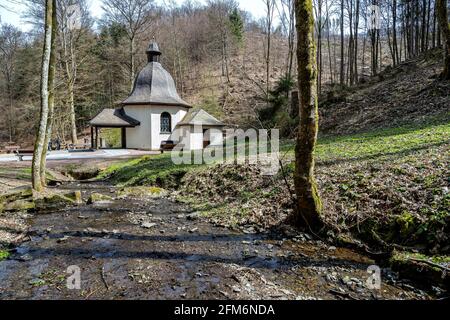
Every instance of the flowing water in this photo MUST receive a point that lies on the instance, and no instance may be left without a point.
(155, 248)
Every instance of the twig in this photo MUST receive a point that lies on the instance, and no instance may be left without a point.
(342, 294)
(103, 277)
(91, 293)
(431, 264)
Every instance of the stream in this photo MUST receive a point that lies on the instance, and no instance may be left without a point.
(157, 248)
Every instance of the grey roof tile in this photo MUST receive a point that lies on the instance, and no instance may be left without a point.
(200, 117)
(154, 85)
(114, 118)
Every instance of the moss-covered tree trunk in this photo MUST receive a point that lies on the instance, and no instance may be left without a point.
(442, 14)
(309, 206)
(51, 97)
(41, 134)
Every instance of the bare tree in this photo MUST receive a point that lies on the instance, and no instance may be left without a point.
(309, 205)
(442, 14)
(136, 17)
(287, 16)
(320, 23)
(341, 75)
(218, 14)
(11, 40)
(69, 40)
(270, 12)
(47, 84)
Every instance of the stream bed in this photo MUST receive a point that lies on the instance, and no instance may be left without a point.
(157, 248)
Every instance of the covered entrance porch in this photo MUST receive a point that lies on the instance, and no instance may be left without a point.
(111, 119)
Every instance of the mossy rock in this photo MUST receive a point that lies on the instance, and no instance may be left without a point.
(53, 202)
(421, 268)
(19, 205)
(142, 192)
(75, 197)
(16, 194)
(97, 197)
(4, 255)
(83, 173)
(17, 199)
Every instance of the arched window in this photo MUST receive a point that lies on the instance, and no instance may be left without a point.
(166, 123)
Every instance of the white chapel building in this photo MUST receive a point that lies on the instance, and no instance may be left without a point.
(155, 114)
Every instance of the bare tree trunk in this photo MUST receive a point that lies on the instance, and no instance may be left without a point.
(41, 134)
(11, 116)
(350, 64)
(433, 39)
(132, 62)
(356, 33)
(269, 19)
(51, 98)
(73, 124)
(291, 38)
(417, 29)
(394, 33)
(442, 15)
(309, 206)
(427, 38)
(328, 24)
(341, 80)
(424, 26)
(319, 43)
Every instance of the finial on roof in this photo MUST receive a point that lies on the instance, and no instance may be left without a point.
(153, 52)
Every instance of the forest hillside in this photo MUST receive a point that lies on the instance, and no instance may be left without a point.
(408, 94)
(381, 166)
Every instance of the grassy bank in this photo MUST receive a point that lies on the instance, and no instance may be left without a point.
(388, 186)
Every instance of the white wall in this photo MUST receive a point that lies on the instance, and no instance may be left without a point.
(177, 114)
(140, 136)
(193, 136)
(216, 136)
(148, 135)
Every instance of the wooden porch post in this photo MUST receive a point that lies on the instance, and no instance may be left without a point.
(96, 137)
(124, 138)
(92, 137)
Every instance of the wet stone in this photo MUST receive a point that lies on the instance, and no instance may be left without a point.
(25, 257)
(63, 239)
(148, 225)
(193, 216)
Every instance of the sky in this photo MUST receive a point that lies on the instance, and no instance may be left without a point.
(13, 15)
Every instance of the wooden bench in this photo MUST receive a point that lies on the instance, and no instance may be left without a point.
(11, 149)
(79, 146)
(167, 146)
(23, 153)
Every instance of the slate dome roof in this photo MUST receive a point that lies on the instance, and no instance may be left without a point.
(154, 85)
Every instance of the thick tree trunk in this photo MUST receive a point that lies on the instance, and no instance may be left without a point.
(40, 138)
(309, 205)
(442, 15)
(51, 98)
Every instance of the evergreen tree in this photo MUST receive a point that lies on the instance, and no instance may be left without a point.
(237, 25)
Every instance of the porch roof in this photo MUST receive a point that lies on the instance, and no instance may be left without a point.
(200, 117)
(114, 118)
